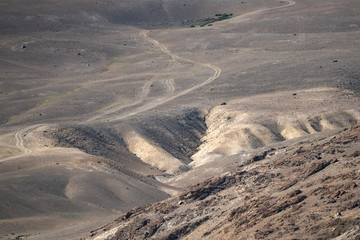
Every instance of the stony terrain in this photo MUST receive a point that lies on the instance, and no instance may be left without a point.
(109, 105)
(308, 190)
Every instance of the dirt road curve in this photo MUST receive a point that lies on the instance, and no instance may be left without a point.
(160, 101)
(171, 96)
(19, 137)
(169, 83)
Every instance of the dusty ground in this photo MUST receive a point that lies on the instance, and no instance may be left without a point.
(110, 105)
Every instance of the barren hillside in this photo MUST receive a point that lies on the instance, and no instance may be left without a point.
(110, 105)
(307, 190)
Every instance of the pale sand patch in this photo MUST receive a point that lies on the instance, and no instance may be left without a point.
(290, 132)
(262, 120)
(108, 234)
(149, 153)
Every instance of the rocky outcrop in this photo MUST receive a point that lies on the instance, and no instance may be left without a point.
(305, 190)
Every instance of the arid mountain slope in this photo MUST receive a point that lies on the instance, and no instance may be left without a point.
(308, 190)
(107, 105)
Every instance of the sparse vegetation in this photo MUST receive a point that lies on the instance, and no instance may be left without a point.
(218, 17)
(42, 102)
(111, 62)
(60, 94)
(6, 120)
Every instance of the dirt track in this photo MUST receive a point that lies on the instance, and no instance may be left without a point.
(75, 85)
(161, 100)
(241, 17)
(19, 138)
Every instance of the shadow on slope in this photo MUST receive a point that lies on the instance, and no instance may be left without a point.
(307, 189)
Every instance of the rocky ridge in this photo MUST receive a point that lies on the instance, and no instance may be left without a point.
(307, 190)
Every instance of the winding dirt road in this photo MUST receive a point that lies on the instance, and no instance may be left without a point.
(172, 96)
(169, 83)
(164, 49)
(19, 137)
(145, 91)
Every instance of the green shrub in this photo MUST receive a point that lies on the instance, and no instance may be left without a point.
(218, 17)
